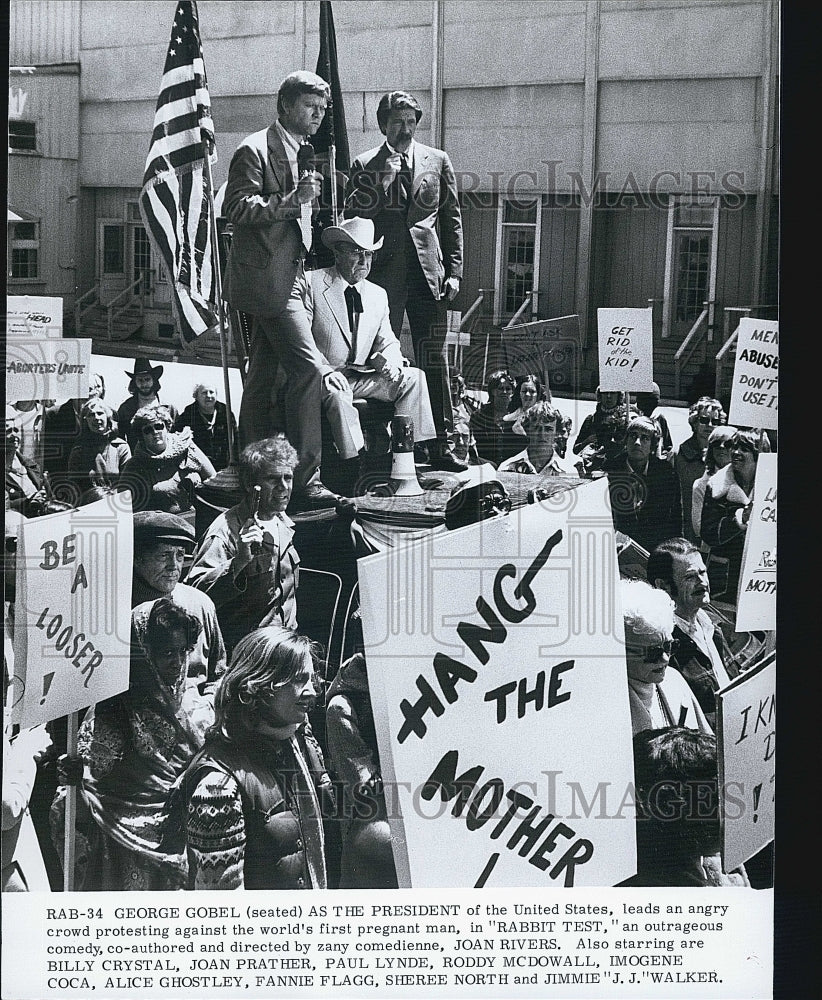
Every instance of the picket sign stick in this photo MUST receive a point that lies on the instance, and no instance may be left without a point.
(70, 834)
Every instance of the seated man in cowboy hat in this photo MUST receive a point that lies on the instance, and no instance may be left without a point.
(145, 389)
(361, 354)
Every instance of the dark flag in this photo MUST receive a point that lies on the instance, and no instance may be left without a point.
(332, 131)
(175, 201)
(333, 127)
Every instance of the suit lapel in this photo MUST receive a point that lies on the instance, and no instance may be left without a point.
(333, 293)
(278, 160)
(422, 166)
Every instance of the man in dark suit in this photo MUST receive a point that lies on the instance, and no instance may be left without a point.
(410, 192)
(269, 201)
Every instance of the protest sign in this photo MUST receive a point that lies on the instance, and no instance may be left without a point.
(34, 316)
(73, 609)
(746, 734)
(626, 349)
(48, 369)
(497, 677)
(756, 605)
(548, 348)
(755, 387)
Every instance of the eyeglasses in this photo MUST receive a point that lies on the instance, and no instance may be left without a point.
(361, 254)
(653, 654)
(709, 420)
(152, 428)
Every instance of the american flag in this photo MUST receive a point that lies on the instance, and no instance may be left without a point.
(175, 201)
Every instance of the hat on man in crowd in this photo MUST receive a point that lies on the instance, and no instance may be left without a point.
(151, 527)
(142, 366)
(356, 232)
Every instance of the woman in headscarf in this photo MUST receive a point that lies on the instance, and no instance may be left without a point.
(255, 793)
(134, 747)
(98, 458)
(165, 467)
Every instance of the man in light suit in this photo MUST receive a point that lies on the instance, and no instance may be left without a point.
(410, 192)
(268, 200)
(361, 355)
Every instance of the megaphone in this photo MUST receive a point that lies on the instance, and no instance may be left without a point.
(403, 478)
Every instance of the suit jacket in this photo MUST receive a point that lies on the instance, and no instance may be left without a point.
(266, 245)
(697, 669)
(648, 508)
(433, 204)
(328, 313)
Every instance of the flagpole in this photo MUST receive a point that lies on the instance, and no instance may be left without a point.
(332, 160)
(218, 288)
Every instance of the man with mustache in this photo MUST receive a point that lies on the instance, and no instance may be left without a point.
(702, 656)
(410, 192)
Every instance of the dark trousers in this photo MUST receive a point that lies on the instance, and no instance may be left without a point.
(408, 292)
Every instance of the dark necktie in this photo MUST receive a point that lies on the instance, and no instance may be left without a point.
(353, 301)
(406, 178)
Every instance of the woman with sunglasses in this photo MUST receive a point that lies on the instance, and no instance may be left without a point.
(725, 512)
(717, 456)
(689, 457)
(166, 467)
(659, 695)
(254, 795)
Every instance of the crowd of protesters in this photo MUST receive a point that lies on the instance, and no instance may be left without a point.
(215, 729)
(235, 759)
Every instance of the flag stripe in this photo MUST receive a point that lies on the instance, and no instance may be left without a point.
(175, 202)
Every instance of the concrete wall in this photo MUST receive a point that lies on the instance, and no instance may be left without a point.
(677, 90)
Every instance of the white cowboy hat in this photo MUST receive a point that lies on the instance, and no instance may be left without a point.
(358, 231)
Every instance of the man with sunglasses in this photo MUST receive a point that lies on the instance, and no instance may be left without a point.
(703, 656)
(362, 358)
(658, 694)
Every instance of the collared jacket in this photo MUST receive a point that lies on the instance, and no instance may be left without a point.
(430, 216)
(647, 508)
(266, 243)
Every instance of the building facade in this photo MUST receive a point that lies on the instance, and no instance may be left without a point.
(609, 152)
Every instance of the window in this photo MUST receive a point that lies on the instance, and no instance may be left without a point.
(142, 254)
(693, 259)
(690, 266)
(25, 250)
(519, 263)
(22, 135)
(113, 256)
(165, 331)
